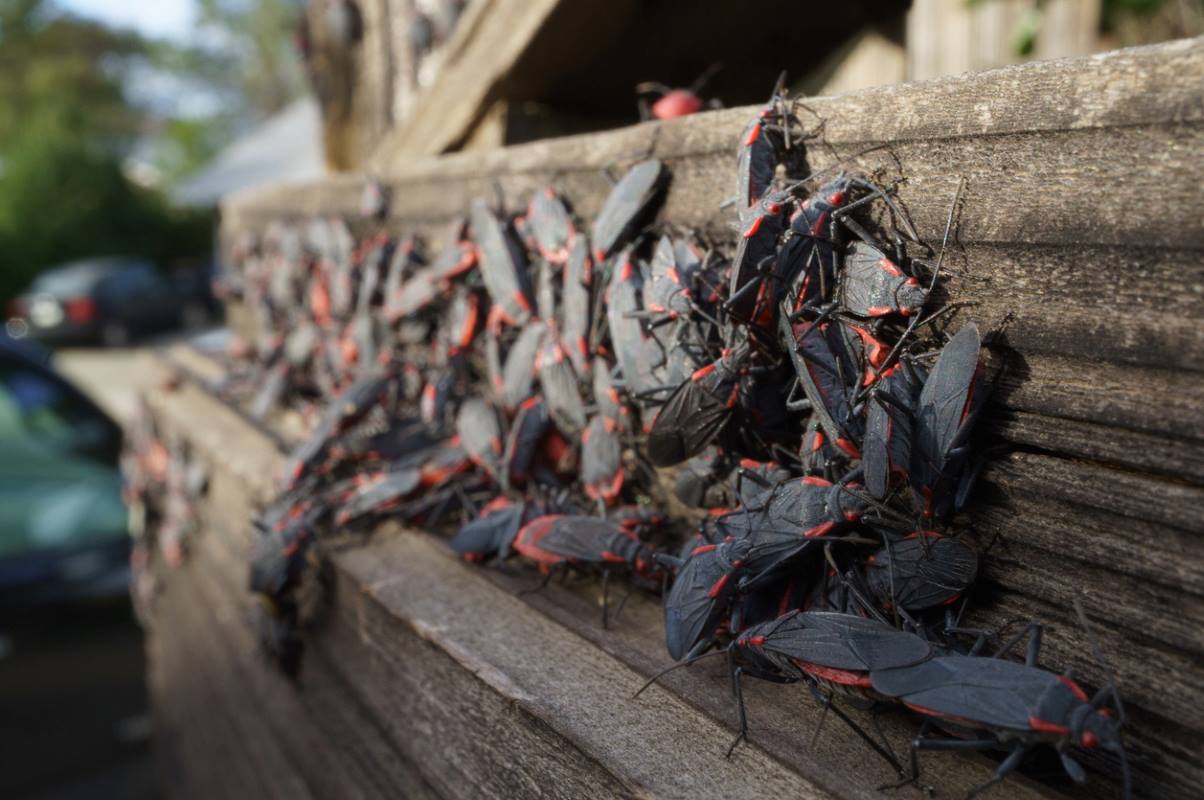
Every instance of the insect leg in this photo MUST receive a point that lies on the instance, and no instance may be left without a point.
(1034, 643)
(1010, 763)
(825, 700)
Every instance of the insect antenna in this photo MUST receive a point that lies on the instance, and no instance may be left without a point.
(676, 666)
(1098, 653)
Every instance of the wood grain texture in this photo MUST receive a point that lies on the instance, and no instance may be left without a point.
(428, 608)
(1079, 242)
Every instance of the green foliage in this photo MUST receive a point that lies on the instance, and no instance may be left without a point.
(259, 37)
(66, 127)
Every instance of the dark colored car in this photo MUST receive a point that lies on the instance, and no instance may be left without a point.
(63, 525)
(111, 300)
(194, 285)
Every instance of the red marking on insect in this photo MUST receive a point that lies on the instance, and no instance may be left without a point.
(702, 372)
(677, 103)
(833, 675)
(814, 480)
(717, 587)
(882, 311)
(496, 504)
(819, 530)
(753, 227)
(889, 267)
(613, 558)
(755, 641)
(848, 447)
(753, 134)
(1047, 727)
(1074, 687)
(817, 227)
(522, 301)
(706, 548)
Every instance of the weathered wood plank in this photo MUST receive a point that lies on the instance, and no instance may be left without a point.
(1094, 291)
(1079, 242)
(1055, 516)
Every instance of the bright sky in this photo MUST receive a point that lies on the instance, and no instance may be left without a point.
(158, 18)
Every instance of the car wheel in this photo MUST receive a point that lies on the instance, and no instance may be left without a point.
(114, 334)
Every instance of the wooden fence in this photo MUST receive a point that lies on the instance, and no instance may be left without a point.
(1081, 243)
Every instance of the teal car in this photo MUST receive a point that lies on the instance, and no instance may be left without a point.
(63, 525)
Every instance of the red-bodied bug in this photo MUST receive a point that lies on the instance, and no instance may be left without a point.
(529, 426)
(588, 544)
(492, 533)
(576, 304)
(550, 226)
(503, 265)
(697, 410)
(627, 207)
(559, 384)
(790, 524)
(953, 395)
(830, 376)
(602, 460)
(924, 570)
(480, 434)
(700, 600)
(341, 413)
(672, 103)
(627, 333)
(753, 287)
(761, 149)
(458, 256)
(872, 285)
(997, 704)
(378, 494)
(886, 448)
(403, 263)
(415, 294)
(518, 375)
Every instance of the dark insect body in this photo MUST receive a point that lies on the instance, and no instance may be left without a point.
(626, 207)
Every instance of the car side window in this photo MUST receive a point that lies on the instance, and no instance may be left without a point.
(36, 409)
(135, 281)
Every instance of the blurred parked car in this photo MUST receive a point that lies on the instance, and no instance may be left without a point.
(110, 300)
(194, 285)
(63, 525)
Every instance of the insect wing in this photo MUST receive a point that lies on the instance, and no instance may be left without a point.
(584, 539)
(872, 285)
(560, 387)
(519, 372)
(530, 424)
(503, 264)
(626, 206)
(916, 574)
(701, 595)
(575, 305)
(688, 421)
(601, 460)
(987, 691)
(481, 436)
(550, 225)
